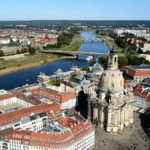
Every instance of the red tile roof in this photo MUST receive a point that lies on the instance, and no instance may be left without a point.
(60, 97)
(126, 84)
(55, 140)
(22, 136)
(6, 96)
(138, 91)
(12, 116)
(135, 72)
(67, 122)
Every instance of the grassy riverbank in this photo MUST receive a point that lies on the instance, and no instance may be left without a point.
(109, 41)
(30, 61)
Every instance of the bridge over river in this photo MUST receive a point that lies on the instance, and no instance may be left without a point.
(87, 40)
(76, 53)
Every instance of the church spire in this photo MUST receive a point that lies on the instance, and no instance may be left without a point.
(112, 59)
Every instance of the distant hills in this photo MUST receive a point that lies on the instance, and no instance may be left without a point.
(114, 23)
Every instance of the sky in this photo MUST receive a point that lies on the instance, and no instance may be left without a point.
(74, 10)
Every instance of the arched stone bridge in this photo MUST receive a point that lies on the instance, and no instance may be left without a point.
(75, 54)
(87, 40)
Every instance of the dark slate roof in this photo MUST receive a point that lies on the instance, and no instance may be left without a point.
(139, 67)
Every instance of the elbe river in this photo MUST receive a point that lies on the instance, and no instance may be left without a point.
(29, 76)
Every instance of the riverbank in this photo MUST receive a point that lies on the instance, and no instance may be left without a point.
(109, 41)
(15, 64)
(43, 63)
(30, 62)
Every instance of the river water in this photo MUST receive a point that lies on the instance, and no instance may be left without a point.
(29, 76)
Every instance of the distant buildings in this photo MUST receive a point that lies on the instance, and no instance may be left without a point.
(4, 41)
(141, 97)
(137, 73)
(120, 31)
(142, 94)
(12, 40)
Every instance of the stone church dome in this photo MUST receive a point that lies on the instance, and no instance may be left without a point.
(58, 71)
(97, 67)
(111, 78)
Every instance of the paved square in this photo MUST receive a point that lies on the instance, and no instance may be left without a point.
(133, 138)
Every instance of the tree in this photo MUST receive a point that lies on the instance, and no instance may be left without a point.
(97, 31)
(147, 52)
(112, 35)
(141, 45)
(133, 46)
(121, 42)
(18, 52)
(122, 61)
(32, 50)
(103, 62)
(92, 63)
(1, 53)
(74, 79)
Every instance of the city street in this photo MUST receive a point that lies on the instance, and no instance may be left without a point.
(132, 138)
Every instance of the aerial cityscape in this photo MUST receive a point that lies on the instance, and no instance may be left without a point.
(74, 75)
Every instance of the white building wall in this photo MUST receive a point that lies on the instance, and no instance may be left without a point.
(4, 41)
(70, 103)
(7, 101)
(140, 102)
(24, 103)
(90, 140)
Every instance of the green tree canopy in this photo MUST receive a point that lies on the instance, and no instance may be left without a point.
(1, 53)
(122, 61)
(18, 52)
(97, 31)
(121, 42)
(32, 50)
(74, 79)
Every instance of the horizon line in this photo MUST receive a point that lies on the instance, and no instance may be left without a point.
(74, 20)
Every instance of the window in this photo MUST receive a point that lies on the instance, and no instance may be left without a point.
(112, 119)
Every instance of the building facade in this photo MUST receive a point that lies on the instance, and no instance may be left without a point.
(113, 110)
(138, 73)
(72, 133)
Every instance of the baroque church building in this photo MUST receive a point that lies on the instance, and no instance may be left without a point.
(113, 109)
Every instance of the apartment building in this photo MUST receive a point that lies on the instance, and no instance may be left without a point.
(64, 99)
(67, 134)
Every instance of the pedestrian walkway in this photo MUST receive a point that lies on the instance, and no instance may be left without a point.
(132, 138)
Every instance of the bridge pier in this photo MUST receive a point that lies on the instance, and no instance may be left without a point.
(92, 40)
(76, 57)
(93, 57)
(86, 40)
